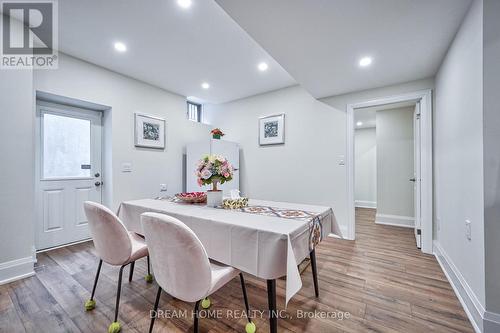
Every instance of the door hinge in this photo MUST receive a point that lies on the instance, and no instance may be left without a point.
(418, 115)
(419, 232)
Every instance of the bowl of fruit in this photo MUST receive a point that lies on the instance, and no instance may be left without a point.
(192, 197)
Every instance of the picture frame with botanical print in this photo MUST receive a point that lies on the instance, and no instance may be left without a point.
(150, 131)
(272, 130)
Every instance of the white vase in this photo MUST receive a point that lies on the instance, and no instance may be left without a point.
(214, 198)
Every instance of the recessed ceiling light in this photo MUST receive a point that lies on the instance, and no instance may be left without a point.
(120, 47)
(359, 123)
(262, 67)
(366, 61)
(205, 85)
(184, 3)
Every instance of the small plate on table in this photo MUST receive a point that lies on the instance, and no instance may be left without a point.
(192, 197)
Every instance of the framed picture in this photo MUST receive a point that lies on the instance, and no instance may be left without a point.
(149, 131)
(272, 130)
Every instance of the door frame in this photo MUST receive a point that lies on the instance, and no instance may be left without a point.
(426, 193)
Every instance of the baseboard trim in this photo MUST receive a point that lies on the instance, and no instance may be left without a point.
(16, 269)
(365, 204)
(395, 220)
(473, 308)
(491, 322)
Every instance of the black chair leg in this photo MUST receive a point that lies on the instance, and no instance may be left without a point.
(118, 293)
(96, 279)
(149, 269)
(315, 272)
(245, 297)
(131, 273)
(155, 309)
(196, 306)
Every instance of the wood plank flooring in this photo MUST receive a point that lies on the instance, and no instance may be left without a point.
(382, 280)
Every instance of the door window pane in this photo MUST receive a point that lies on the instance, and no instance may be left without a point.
(66, 146)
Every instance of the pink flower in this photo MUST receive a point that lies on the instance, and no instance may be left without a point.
(205, 173)
(199, 182)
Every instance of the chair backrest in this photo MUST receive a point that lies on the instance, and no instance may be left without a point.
(111, 238)
(180, 262)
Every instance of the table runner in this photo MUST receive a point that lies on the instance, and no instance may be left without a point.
(268, 247)
(315, 225)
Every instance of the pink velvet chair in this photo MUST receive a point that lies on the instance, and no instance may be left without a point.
(116, 246)
(181, 265)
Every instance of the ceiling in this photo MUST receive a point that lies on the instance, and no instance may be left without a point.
(170, 47)
(320, 42)
(367, 116)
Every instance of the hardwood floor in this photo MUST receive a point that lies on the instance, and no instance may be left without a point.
(382, 280)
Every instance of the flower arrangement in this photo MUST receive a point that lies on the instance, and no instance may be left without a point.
(214, 169)
(216, 133)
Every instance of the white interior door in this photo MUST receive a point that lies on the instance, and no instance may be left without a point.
(416, 174)
(68, 149)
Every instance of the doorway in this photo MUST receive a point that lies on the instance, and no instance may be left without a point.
(422, 156)
(385, 162)
(68, 172)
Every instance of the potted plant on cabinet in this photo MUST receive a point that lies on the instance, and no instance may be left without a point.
(214, 169)
(216, 133)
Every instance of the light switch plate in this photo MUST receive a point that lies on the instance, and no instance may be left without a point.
(341, 160)
(468, 231)
(127, 167)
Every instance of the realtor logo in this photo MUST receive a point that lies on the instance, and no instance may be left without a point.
(29, 35)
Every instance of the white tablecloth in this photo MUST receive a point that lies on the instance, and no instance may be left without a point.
(265, 246)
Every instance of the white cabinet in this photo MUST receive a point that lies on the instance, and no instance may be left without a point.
(196, 150)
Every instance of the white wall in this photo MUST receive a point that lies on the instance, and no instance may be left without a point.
(491, 154)
(365, 167)
(83, 81)
(16, 171)
(395, 162)
(458, 153)
(305, 169)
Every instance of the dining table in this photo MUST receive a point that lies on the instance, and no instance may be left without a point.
(266, 239)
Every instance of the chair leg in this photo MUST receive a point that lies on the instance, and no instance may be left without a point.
(149, 277)
(90, 304)
(131, 273)
(245, 298)
(96, 279)
(196, 306)
(315, 272)
(155, 309)
(115, 325)
(250, 326)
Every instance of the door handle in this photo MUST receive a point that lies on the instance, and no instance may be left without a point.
(413, 180)
(98, 184)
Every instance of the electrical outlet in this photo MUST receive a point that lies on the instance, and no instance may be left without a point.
(468, 232)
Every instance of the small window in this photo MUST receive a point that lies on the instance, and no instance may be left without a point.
(194, 111)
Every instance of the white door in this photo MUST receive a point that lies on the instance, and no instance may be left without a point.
(68, 168)
(416, 173)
